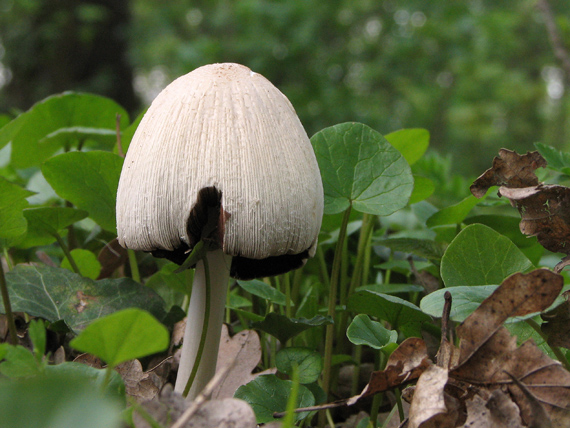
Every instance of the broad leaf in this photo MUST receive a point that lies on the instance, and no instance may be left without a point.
(45, 222)
(400, 313)
(466, 298)
(263, 290)
(308, 363)
(122, 336)
(556, 159)
(59, 121)
(363, 331)
(86, 261)
(88, 180)
(412, 143)
(425, 248)
(423, 189)
(54, 294)
(453, 214)
(268, 394)
(12, 202)
(480, 256)
(360, 168)
(284, 328)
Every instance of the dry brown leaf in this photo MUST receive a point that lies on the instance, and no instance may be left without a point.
(498, 411)
(143, 386)
(519, 294)
(111, 257)
(243, 351)
(556, 324)
(226, 413)
(406, 363)
(545, 213)
(509, 169)
(428, 408)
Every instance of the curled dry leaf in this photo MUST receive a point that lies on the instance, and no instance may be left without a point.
(429, 407)
(545, 213)
(406, 363)
(498, 411)
(143, 386)
(509, 169)
(520, 294)
(556, 324)
(243, 352)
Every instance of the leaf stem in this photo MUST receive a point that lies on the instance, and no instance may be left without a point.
(67, 253)
(555, 349)
(330, 330)
(135, 273)
(8, 307)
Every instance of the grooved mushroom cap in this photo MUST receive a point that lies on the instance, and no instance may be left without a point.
(227, 134)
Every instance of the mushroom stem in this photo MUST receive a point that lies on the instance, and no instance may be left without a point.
(219, 269)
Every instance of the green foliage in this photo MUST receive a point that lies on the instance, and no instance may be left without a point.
(361, 169)
(45, 223)
(57, 294)
(122, 336)
(284, 328)
(88, 180)
(308, 363)
(364, 331)
(263, 290)
(12, 200)
(268, 394)
(481, 256)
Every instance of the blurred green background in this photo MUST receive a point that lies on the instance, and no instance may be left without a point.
(478, 74)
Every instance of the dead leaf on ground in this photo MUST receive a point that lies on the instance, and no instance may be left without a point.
(243, 351)
(141, 385)
(556, 324)
(509, 169)
(498, 411)
(520, 294)
(406, 363)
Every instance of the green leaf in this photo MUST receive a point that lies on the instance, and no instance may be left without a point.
(453, 214)
(37, 333)
(412, 143)
(465, 299)
(423, 189)
(268, 394)
(392, 288)
(57, 400)
(172, 287)
(45, 222)
(360, 168)
(480, 256)
(122, 336)
(263, 290)
(19, 362)
(55, 293)
(308, 363)
(12, 202)
(284, 328)
(400, 313)
(96, 377)
(556, 159)
(86, 261)
(56, 122)
(363, 331)
(425, 248)
(88, 180)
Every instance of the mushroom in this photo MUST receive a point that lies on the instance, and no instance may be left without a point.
(220, 159)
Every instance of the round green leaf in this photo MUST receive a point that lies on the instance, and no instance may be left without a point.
(86, 261)
(122, 336)
(88, 180)
(45, 222)
(56, 122)
(268, 394)
(400, 313)
(480, 256)
(453, 214)
(308, 362)
(363, 331)
(360, 168)
(423, 189)
(263, 290)
(465, 299)
(412, 143)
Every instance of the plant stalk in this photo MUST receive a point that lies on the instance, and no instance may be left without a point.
(219, 270)
(8, 307)
(67, 253)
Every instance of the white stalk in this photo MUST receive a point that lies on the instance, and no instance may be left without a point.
(219, 264)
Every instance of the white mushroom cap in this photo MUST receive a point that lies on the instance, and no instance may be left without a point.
(226, 127)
